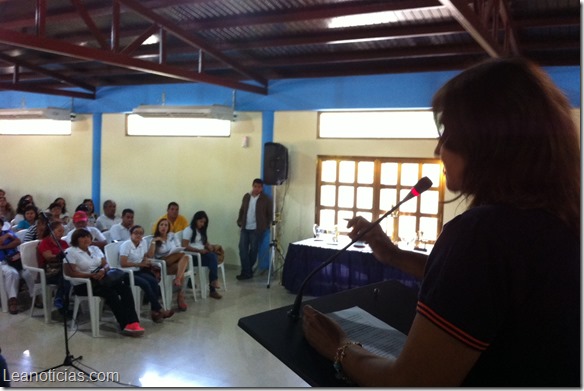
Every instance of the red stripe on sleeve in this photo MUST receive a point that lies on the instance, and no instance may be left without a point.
(451, 329)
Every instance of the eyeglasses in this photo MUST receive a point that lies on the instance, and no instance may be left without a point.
(138, 233)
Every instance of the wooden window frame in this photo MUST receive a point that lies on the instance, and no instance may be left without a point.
(376, 212)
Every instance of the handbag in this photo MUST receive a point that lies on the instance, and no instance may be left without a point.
(112, 278)
(15, 261)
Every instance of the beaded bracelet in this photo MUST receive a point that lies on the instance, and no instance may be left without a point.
(339, 356)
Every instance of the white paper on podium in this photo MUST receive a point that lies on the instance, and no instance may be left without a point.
(375, 335)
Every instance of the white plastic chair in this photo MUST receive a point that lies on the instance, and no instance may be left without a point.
(203, 270)
(166, 280)
(28, 255)
(20, 235)
(95, 303)
(112, 256)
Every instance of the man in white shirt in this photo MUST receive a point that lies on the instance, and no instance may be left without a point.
(80, 221)
(121, 232)
(108, 218)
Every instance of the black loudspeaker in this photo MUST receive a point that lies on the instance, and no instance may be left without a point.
(275, 163)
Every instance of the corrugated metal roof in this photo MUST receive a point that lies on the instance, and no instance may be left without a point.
(243, 44)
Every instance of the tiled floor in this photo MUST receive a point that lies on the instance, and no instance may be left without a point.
(202, 347)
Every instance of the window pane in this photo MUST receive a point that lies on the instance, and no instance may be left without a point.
(346, 196)
(366, 172)
(387, 226)
(347, 172)
(410, 206)
(409, 174)
(327, 195)
(389, 174)
(364, 197)
(327, 218)
(407, 229)
(387, 199)
(428, 228)
(343, 216)
(432, 171)
(365, 215)
(429, 202)
(329, 171)
(377, 124)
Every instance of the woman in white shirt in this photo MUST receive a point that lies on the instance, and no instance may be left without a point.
(133, 255)
(165, 246)
(195, 240)
(87, 261)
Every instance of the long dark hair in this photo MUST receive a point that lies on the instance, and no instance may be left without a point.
(203, 231)
(22, 203)
(515, 131)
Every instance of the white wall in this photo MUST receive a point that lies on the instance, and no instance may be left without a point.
(211, 174)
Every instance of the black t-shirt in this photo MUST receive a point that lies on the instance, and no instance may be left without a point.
(507, 282)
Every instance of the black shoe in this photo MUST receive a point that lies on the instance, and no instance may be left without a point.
(243, 277)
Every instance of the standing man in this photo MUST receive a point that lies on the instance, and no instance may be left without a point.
(108, 218)
(177, 221)
(121, 232)
(255, 217)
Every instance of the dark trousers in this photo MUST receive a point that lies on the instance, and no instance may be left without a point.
(149, 285)
(210, 260)
(63, 289)
(118, 298)
(248, 250)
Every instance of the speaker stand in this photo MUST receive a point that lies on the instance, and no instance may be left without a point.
(273, 237)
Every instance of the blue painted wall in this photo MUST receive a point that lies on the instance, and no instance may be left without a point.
(378, 91)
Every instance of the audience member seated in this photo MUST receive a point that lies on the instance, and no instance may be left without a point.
(91, 216)
(64, 216)
(133, 255)
(88, 261)
(12, 269)
(108, 218)
(50, 258)
(165, 246)
(121, 232)
(80, 221)
(80, 208)
(20, 207)
(177, 221)
(36, 231)
(195, 240)
(30, 217)
(7, 212)
(56, 211)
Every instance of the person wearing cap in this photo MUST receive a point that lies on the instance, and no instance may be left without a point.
(80, 221)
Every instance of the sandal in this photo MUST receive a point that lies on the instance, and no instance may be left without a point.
(180, 298)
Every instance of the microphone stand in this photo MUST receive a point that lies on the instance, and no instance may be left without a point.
(69, 360)
(422, 185)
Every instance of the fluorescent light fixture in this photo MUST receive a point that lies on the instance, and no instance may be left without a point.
(393, 124)
(213, 111)
(363, 19)
(52, 113)
(40, 127)
(137, 125)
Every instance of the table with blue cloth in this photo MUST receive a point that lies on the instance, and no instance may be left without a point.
(354, 268)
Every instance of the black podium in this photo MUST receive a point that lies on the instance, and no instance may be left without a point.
(390, 301)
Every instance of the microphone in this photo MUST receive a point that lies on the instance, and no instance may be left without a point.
(423, 184)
